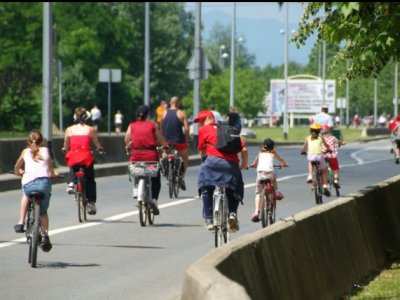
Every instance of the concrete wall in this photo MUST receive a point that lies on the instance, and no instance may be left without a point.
(317, 254)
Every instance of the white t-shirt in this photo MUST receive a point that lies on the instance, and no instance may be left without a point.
(265, 162)
(323, 119)
(35, 169)
(96, 113)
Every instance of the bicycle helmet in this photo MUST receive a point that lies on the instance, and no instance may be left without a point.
(315, 128)
(81, 115)
(269, 144)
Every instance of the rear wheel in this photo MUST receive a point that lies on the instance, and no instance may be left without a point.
(317, 185)
(263, 212)
(170, 180)
(149, 210)
(176, 184)
(35, 235)
(81, 203)
(271, 205)
(142, 203)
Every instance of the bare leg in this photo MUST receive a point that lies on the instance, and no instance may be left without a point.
(23, 209)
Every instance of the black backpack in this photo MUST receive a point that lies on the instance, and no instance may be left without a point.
(228, 139)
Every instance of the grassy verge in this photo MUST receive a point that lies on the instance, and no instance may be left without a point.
(385, 285)
(297, 134)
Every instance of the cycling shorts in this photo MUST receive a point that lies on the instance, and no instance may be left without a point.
(334, 163)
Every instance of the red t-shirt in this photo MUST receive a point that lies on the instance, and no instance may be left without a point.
(207, 140)
(144, 141)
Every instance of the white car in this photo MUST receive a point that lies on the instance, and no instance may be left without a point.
(248, 133)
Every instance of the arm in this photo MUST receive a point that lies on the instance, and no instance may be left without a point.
(185, 124)
(51, 166)
(282, 161)
(18, 165)
(255, 162)
(245, 158)
(66, 140)
(93, 136)
(305, 147)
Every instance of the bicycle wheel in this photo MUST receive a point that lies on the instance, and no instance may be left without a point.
(35, 234)
(221, 233)
(175, 184)
(149, 210)
(263, 212)
(142, 203)
(29, 230)
(317, 185)
(170, 180)
(81, 204)
(271, 205)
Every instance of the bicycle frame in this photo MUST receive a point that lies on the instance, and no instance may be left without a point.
(172, 172)
(33, 226)
(220, 217)
(317, 181)
(80, 193)
(267, 203)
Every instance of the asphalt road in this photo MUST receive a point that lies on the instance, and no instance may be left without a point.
(112, 256)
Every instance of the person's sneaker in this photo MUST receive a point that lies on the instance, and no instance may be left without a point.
(255, 218)
(233, 222)
(135, 193)
(336, 183)
(309, 179)
(278, 195)
(209, 225)
(154, 207)
(19, 228)
(181, 184)
(326, 191)
(397, 160)
(91, 207)
(45, 243)
(70, 188)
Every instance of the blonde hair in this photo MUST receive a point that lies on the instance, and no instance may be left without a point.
(35, 141)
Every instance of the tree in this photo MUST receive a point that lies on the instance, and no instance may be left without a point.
(366, 33)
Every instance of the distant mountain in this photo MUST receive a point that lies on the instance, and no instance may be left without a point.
(262, 38)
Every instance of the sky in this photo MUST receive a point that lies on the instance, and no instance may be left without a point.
(259, 23)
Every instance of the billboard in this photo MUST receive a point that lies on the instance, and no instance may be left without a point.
(305, 96)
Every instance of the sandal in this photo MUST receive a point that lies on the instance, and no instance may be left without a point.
(19, 228)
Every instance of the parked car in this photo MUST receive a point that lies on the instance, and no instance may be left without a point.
(248, 133)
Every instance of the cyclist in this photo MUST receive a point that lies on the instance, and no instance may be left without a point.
(313, 148)
(332, 152)
(172, 122)
(142, 138)
(36, 176)
(78, 152)
(218, 169)
(264, 162)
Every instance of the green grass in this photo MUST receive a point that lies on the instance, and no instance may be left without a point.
(386, 285)
(297, 134)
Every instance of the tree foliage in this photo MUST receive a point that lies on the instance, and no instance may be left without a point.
(366, 33)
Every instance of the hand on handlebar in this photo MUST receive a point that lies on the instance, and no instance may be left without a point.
(303, 152)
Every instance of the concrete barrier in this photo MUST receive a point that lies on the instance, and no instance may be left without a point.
(375, 131)
(316, 254)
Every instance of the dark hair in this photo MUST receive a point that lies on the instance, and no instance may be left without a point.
(234, 120)
(269, 144)
(142, 112)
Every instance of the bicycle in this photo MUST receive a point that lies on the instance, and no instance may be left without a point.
(268, 201)
(172, 170)
(33, 227)
(220, 217)
(143, 172)
(317, 181)
(80, 192)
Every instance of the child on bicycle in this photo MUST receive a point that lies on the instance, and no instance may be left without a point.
(313, 148)
(332, 151)
(264, 162)
(36, 176)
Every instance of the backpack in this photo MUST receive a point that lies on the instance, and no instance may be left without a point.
(228, 139)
